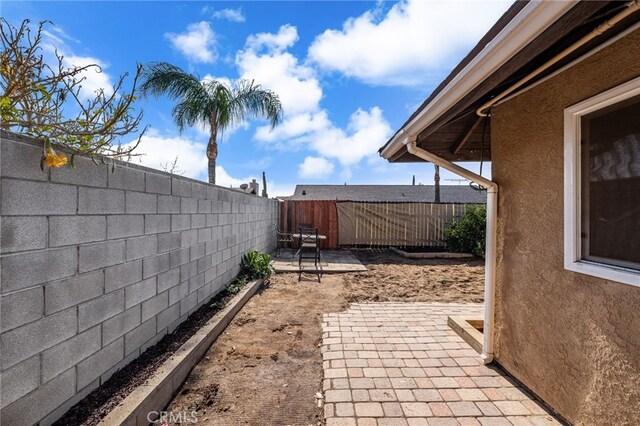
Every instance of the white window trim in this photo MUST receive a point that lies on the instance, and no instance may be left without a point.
(572, 195)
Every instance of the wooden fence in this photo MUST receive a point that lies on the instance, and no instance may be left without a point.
(395, 224)
(372, 224)
(320, 214)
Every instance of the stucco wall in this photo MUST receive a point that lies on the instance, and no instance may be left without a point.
(98, 266)
(573, 339)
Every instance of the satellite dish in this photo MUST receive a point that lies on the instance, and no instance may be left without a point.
(244, 186)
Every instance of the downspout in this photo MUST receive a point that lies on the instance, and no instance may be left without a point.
(406, 137)
(491, 238)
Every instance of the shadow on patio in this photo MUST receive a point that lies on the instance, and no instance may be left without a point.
(333, 261)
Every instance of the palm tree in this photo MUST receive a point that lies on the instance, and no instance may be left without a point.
(210, 103)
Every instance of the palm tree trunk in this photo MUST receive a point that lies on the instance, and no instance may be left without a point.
(212, 151)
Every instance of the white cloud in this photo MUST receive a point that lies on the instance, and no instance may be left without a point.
(232, 15)
(225, 179)
(414, 40)
(367, 131)
(94, 78)
(156, 150)
(275, 69)
(197, 43)
(58, 34)
(315, 167)
(294, 126)
(305, 124)
(286, 37)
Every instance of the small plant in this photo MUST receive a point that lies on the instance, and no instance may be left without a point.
(256, 265)
(468, 235)
(172, 167)
(237, 284)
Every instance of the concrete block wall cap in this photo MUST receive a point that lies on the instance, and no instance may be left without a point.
(16, 137)
(177, 367)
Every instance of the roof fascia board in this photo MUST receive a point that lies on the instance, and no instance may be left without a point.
(576, 61)
(528, 24)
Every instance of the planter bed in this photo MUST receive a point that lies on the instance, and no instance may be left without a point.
(469, 328)
(171, 358)
(429, 253)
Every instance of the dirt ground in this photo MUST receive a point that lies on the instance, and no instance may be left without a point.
(267, 367)
(390, 277)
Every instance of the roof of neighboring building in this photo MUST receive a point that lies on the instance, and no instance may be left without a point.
(457, 133)
(462, 194)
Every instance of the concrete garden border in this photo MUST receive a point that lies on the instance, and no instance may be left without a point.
(440, 255)
(154, 394)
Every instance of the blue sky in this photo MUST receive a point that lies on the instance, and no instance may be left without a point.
(348, 73)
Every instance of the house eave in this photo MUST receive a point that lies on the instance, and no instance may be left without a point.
(528, 23)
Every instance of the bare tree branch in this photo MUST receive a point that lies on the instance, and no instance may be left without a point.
(35, 96)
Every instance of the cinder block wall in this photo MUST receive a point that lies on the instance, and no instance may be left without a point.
(98, 266)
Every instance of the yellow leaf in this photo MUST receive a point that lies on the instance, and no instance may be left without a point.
(51, 159)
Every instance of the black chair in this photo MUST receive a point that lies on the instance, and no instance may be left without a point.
(283, 240)
(310, 250)
(307, 226)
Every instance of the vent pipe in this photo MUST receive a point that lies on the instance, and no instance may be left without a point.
(255, 188)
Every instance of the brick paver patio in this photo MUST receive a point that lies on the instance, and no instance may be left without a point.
(401, 364)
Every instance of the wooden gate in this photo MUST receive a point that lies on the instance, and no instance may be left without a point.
(320, 214)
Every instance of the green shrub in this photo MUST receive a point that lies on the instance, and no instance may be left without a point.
(256, 265)
(468, 234)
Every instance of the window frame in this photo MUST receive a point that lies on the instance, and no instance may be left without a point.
(573, 260)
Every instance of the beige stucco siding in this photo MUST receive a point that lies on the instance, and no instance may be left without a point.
(573, 339)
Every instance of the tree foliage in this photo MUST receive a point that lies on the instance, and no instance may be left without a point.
(42, 97)
(210, 103)
(469, 234)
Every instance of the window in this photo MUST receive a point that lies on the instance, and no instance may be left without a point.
(602, 185)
